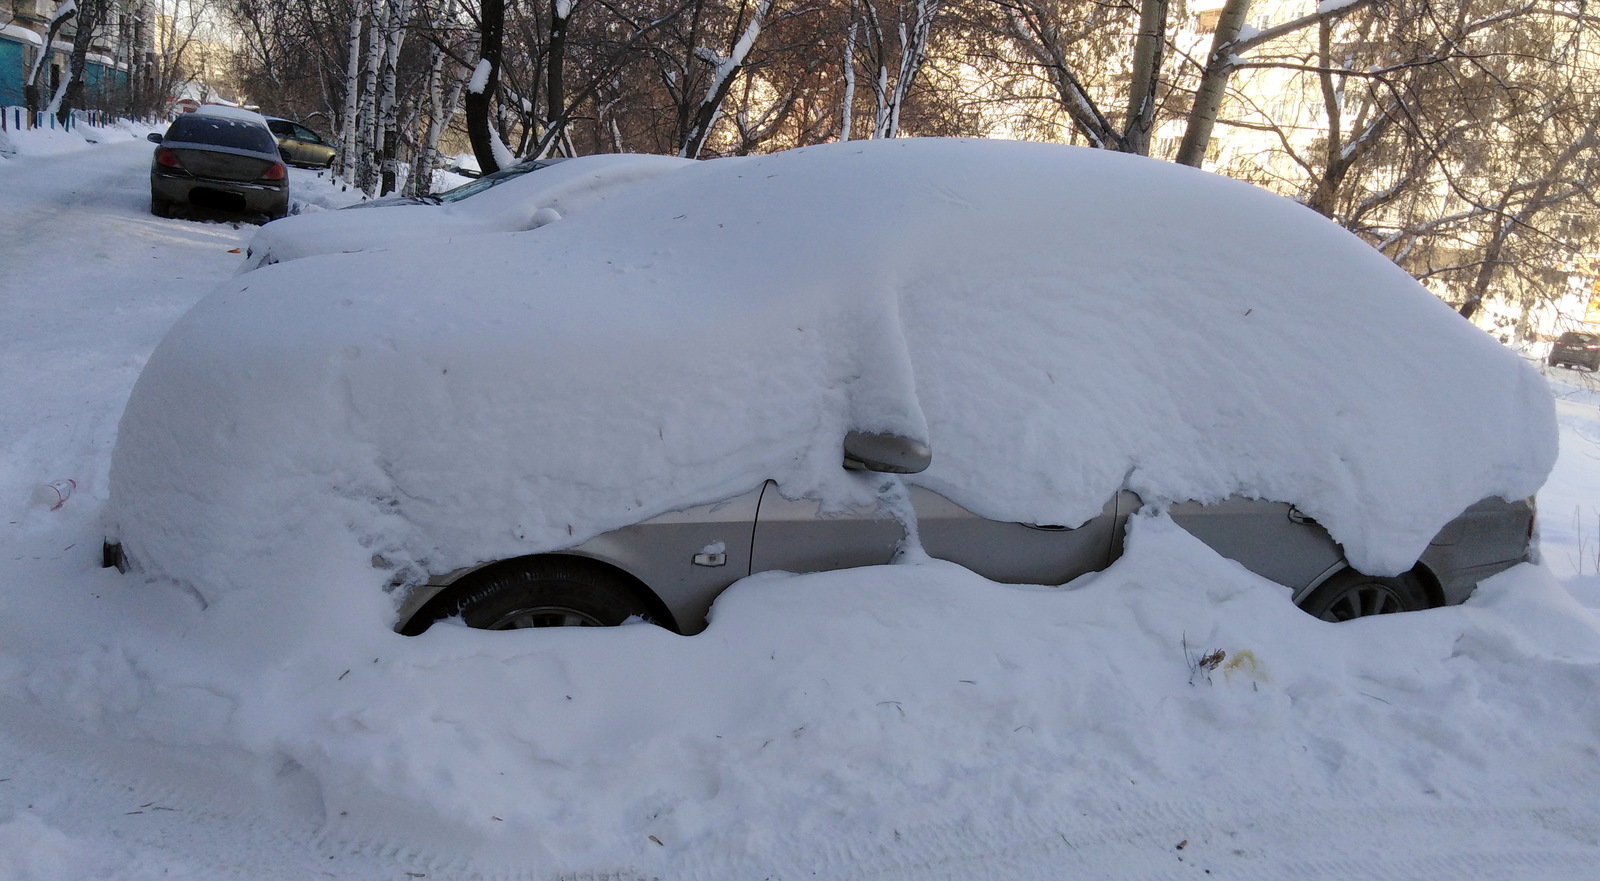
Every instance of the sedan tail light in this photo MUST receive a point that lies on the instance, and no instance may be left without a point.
(276, 172)
(166, 158)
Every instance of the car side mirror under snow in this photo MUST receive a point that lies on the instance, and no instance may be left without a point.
(886, 453)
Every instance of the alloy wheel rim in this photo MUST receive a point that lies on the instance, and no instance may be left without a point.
(1361, 600)
(544, 616)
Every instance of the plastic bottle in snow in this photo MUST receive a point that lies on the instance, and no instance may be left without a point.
(54, 494)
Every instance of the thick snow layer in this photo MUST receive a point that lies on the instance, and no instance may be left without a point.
(227, 111)
(525, 202)
(1057, 322)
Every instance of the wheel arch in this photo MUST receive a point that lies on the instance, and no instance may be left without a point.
(434, 600)
(1430, 583)
(1421, 573)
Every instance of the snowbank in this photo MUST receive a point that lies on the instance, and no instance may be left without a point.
(53, 141)
(912, 720)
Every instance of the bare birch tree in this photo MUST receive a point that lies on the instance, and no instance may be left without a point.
(349, 135)
(893, 48)
(725, 69)
(65, 12)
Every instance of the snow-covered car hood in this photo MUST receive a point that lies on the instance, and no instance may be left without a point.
(1057, 322)
(526, 202)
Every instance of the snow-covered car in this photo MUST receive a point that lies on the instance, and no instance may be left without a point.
(218, 157)
(990, 352)
(510, 200)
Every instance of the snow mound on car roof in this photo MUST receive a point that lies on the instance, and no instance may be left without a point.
(1056, 322)
(564, 188)
(228, 111)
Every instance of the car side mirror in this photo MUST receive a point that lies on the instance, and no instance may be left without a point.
(154, 137)
(886, 453)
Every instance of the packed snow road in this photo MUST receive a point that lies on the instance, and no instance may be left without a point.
(903, 722)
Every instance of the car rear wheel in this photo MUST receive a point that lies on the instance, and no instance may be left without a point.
(1351, 594)
(160, 207)
(559, 592)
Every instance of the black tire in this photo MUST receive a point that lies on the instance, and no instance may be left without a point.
(160, 207)
(550, 592)
(1351, 594)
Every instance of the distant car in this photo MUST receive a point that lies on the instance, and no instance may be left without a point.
(300, 145)
(221, 158)
(508, 200)
(1576, 349)
(993, 352)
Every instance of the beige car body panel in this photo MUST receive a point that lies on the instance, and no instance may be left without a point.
(686, 558)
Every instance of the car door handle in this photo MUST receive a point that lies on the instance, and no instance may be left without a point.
(1298, 516)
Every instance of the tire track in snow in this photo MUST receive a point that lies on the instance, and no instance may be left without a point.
(1284, 837)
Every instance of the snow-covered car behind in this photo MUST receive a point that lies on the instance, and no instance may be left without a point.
(627, 411)
(523, 197)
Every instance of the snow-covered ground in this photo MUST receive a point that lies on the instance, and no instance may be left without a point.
(911, 721)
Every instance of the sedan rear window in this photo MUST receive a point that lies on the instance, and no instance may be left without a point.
(1573, 337)
(203, 129)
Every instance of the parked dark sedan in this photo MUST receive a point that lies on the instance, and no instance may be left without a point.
(222, 158)
(300, 145)
(1575, 349)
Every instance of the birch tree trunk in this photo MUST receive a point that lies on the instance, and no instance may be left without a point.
(440, 110)
(350, 123)
(30, 89)
(913, 52)
(1148, 48)
(396, 13)
(1213, 84)
(367, 130)
(849, 81)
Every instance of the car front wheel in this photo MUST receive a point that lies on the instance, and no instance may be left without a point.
(558, 592)
(1351, 594)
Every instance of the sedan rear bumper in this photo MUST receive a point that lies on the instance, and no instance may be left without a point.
(269, 199)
